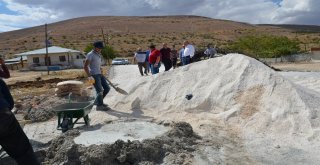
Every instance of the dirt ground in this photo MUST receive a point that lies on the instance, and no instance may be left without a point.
(179, 141)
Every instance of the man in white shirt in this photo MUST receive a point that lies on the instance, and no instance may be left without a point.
(140, 57)
(188, 53)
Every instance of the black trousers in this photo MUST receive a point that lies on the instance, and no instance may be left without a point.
(144, 65)
(174, 62)
(14, 141)
(167, 64)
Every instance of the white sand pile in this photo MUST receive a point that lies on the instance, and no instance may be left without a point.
(277, 119)
(310, 80)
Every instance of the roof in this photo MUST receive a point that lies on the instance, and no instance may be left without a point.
(315, 49)
(16, 59)
(52, 49)
(13, 63)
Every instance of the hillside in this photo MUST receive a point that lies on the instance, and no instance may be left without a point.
(128, 33)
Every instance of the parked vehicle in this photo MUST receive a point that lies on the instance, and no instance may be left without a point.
(120, 61)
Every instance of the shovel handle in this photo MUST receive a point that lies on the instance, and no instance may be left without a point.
(117, 88)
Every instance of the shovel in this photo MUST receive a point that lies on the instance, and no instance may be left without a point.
(119, 90)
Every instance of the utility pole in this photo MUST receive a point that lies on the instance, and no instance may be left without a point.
(46, 57)
(104, 38)
(105, 44)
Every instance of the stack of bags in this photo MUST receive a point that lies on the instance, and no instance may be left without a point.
(64, 88)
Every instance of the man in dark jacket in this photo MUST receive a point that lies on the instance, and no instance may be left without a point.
(12, 138)
(166, 57)
(4, 72)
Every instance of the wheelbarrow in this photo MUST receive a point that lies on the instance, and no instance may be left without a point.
(69, 114)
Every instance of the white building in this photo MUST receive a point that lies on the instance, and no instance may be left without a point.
(315, 54)
(58, 58)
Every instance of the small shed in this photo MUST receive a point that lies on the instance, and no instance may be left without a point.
(315, 50)
(315, 54)
(16, 63)
(58, 58)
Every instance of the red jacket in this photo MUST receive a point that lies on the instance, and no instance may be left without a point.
(154, 55)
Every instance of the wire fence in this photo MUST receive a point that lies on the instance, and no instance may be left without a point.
(290, 58)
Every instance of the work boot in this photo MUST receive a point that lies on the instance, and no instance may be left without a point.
(103, 107)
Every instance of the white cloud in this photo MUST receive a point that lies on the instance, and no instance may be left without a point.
(36, 12)
(298, 12)
(8, 28)
(257, 12)
(26, 16)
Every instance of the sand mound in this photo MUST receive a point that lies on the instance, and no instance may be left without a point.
(235, 88)
(272, 115)
(245, 113)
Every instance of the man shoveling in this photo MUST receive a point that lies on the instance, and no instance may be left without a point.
(92, 67)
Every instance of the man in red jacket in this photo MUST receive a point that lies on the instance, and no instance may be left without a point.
(154, 59)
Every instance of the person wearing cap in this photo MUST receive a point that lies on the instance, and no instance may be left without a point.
(12, 138)
(92, 67)
(154, 59)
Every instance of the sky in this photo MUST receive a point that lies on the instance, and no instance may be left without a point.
(18, 14)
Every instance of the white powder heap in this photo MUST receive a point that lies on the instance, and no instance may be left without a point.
(270, 111)
(233, 86)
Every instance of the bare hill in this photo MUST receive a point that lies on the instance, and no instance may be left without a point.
(128, 33)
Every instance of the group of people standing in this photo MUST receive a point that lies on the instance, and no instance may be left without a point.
(151, 59)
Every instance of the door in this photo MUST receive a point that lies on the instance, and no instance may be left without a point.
(48, 61)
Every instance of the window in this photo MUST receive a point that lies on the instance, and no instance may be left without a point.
(62, 58)
(36, 60)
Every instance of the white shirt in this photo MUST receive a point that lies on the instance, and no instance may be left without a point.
(140, 56)
(188, 51)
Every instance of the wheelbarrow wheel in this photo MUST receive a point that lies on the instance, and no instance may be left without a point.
(66, 124)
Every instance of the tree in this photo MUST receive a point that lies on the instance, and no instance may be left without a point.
(265, 46)
(107, 52)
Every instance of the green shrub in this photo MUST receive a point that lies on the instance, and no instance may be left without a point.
(265, 46)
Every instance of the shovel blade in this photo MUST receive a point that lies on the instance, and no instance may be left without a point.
(121, 91)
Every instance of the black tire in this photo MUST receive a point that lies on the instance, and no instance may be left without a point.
(65, 125)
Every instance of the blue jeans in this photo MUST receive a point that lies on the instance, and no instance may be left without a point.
(148, 66)
(102, 88)
(186, 60)
(155, 70)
